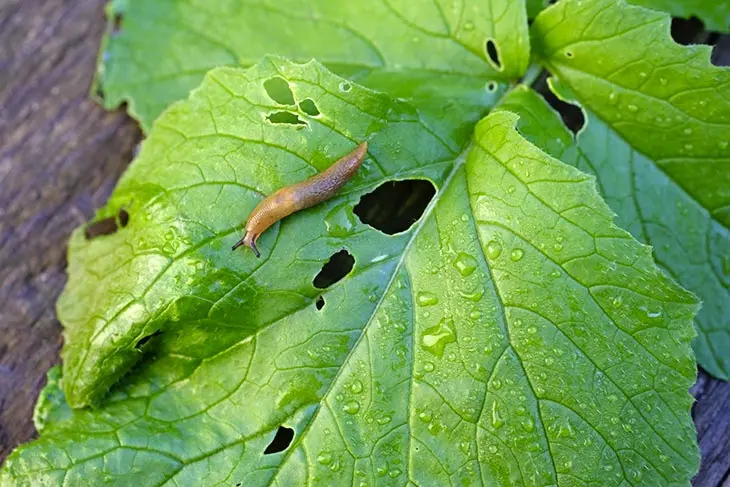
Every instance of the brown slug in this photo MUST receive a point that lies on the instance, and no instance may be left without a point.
(299, 196)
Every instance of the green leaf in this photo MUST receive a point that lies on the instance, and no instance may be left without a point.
(657, 137)
(714, 13)
(432, 53)
(512, 336)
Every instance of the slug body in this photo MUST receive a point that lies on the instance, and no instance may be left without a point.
(299, 196)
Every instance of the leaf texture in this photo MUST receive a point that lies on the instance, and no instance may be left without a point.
(658, 138)
(513, 336)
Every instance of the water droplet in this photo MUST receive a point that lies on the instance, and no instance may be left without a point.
(566, 430)
(642, 74)
(437, 337)
(476, 296)
(568, 465)
(558, 247)
(528, 424)
(549, 361)
(381, 470)
(663, 458)
(517, 254)
(325, 458)
(497, 384)
(426, 299)
(351, 407)
(617, 302)
(688, 131)
(345, 86)
(468, 26)
(394, 473)
(663, 81)
(492, 449)
(428, 366)
(532, 330)
(613, 97)
(497, 420)
(636, 475)
(385, 419)
(494, 249)
(340, 221)
(465, 447)
(724, 144)
(510, 189)
(465, 264)
(356, 387)
(425, 416)
(688, 147)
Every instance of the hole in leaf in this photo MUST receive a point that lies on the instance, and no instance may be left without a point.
(281, 441)
(286, 117)
(572, 115)
(143, 341)
(345, 86)
(338, 266)
(309, 107)
(721, 52)
(319, 303)
(117, 23)
(279, 91)
(569, 54)
(493, 54)
(107, 226)
(692, 31)
(394, 206)
(492, 86)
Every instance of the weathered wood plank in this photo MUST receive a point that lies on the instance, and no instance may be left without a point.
(60, 156)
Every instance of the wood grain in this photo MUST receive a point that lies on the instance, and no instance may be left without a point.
(60, 156)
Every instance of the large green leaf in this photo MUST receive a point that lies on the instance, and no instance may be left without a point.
(431, 52)
(512, 336)
(714, 13)
(658, 138)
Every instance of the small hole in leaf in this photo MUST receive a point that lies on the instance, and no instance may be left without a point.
(493, 54)
(281, 441)
(117, 23)
(491, 86)
(309, 107)
(338, 266)
(285, 117)
(107, 226)
(692, 31)
(144, 340)
(279, 91)
(572, 115)
(569, 54)
(319, 303)
(394, 206)
(345, 86)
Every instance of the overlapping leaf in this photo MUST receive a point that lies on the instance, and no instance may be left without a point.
(433, 53)
(714, 13)
(512, 336)
(658, 138)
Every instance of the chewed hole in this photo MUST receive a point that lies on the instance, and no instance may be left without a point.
(117, 23)
(335, 269)
(394, 206)
(692, 31)
(492, 86)
(569, 54)
(281, 441)
(493, 54)
(319, 303)
(345, 86)
(144, 340)
(279, 91)
(572, 115)
(309, 107)
(107, 226)
(286, 117)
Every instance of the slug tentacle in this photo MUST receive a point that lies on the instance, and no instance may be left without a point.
(305, 194)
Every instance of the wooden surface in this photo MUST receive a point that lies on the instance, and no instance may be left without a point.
(60, 156)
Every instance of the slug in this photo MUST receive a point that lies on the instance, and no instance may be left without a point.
(299, 196)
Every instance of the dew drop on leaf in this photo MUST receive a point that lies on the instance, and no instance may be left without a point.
(494, 249)
(351, 407)
(426, 299)
(356, 387)
(517, 254)
(437, 337)
(465, 264)
(497, 419)
(325, 458)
